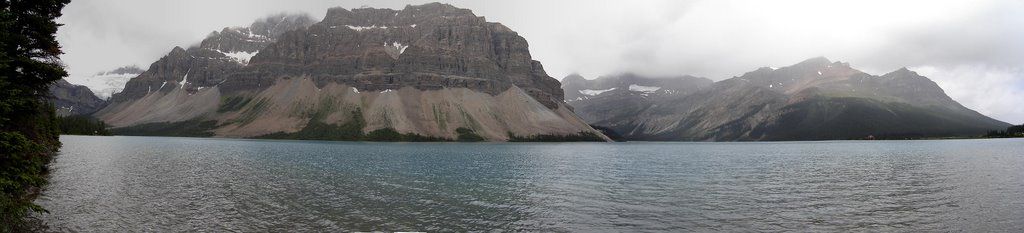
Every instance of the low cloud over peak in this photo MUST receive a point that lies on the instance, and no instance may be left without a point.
(970, 48)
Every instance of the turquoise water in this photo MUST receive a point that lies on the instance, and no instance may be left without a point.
(104, 184)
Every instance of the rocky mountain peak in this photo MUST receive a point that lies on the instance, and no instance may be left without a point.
(390, 49)
(639, 86)
(176, 51)
(382, 17)
(902, 72)
(912, 87)
(242, 43)
(813, 99)
(432, 70)
(220, 53)
(573, 78)
(275, 25)
(814, 62)
(131, 69)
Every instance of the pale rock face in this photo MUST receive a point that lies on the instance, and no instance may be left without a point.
(427, 69)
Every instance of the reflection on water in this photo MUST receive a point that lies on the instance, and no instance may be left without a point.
(186, 184)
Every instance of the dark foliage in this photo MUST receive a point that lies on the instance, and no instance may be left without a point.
(233, 103)
(579, 137)
(191, 128)
(352, 130)
(468, 135)
(1015, 131)
(390, 135)
(82, 125)
(29, 64)
(317, 130)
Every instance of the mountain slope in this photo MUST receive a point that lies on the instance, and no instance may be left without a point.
(614, 100)
(431, 70)
(70, 99)
(813, 100)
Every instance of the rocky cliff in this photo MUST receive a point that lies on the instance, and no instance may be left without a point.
(814, 100)
(70, 99)
(432, 70)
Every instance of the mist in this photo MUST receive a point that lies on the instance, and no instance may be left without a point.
(972, 49)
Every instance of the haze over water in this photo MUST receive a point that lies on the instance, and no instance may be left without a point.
(190, 184)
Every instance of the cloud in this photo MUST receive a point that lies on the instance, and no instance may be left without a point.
(717, 39)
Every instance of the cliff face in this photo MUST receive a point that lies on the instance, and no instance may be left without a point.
(427, 47)
(427, 70)
(813, 100)
(221, 54)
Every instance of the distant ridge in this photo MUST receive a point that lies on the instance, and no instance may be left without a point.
(816, 99)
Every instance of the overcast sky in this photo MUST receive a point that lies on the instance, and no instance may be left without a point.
(974, 49)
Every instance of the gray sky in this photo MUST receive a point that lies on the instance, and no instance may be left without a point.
(974, 49)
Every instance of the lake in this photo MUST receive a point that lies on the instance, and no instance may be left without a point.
(116, 184)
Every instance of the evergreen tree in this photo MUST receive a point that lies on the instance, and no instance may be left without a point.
(29, 63)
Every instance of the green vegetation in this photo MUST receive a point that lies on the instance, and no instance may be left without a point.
(579, 137)
(349, 131)
(467, 135)
(440, 117)
(233, 103)
(1016, 131)
(253, 112)
(190, 128)
(82, 125)
(317, 130)
(29, 135)
(390, 135)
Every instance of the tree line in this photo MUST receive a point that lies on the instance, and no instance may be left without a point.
(1015, 131)
(82, 125)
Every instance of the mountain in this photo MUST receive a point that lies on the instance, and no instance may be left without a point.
(105, 84)
(73, 99)
(430, 72)
(813, 100)
(615, 99)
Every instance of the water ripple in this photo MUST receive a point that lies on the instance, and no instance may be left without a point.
(185, 184)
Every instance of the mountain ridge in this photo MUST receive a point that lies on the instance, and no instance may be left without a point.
(433, 70)
(799, 102)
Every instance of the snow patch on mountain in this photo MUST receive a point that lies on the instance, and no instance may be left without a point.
(105, 84)
(647, 89)
(241, 57)
(399, 46)
(184, 80)
(361, 28)
(595, 92)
